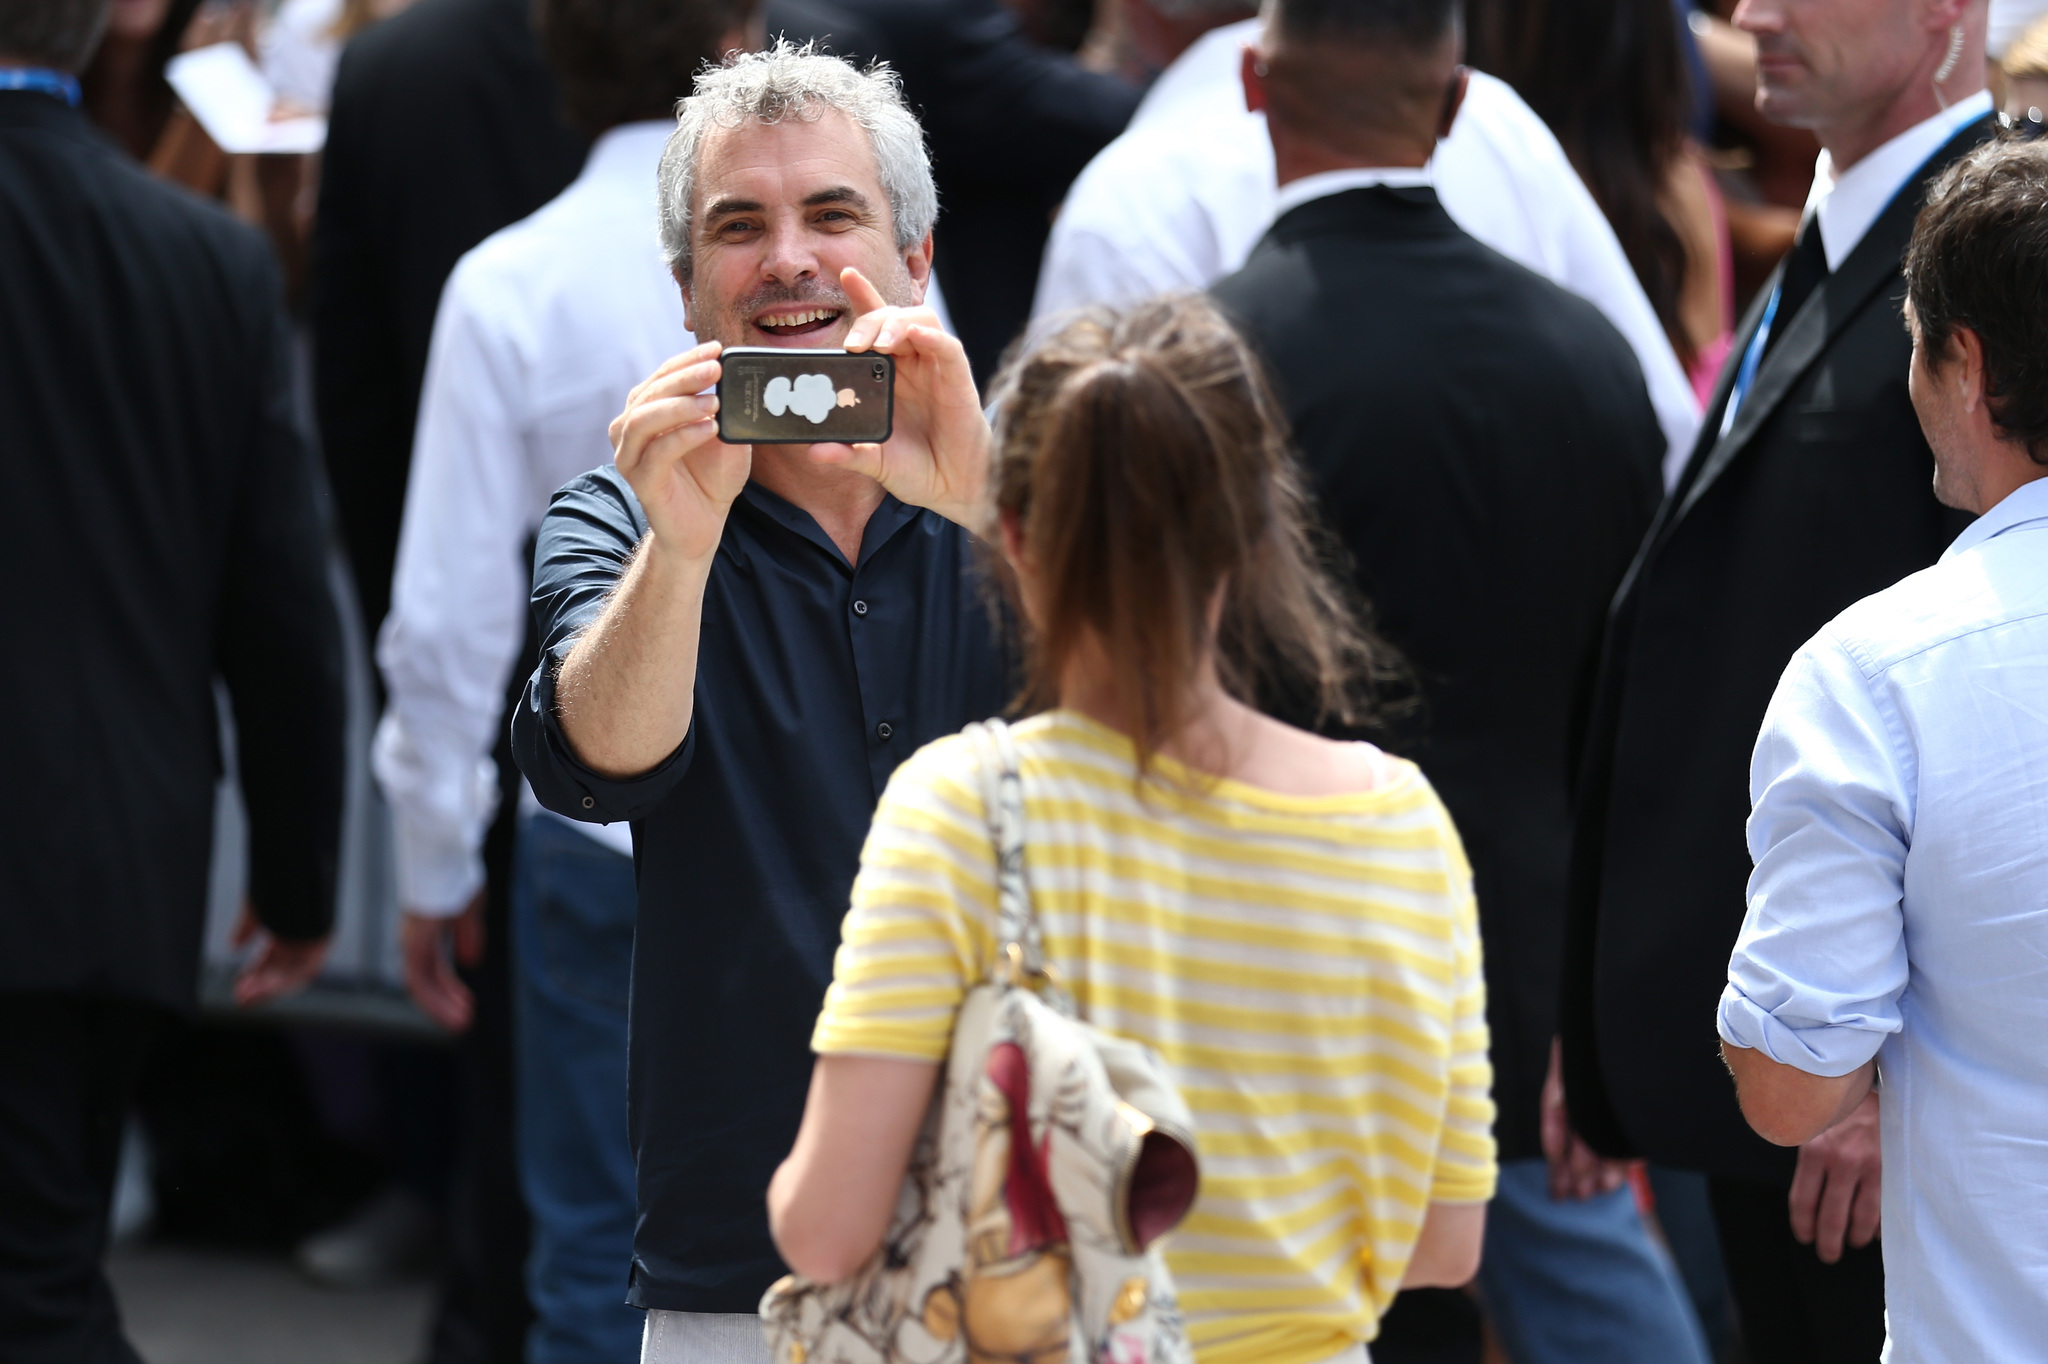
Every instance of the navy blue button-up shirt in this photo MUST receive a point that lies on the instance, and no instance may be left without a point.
(815, 678)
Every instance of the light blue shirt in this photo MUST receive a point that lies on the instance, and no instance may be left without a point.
(1899, 909)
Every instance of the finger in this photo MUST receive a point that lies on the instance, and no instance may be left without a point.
(864, 297)
(1867, 1216)
(893, 328)
(469, 938)
(442, 996)
(1804, 1199)
(1832, 1221)
(684, 380)
(246, 926)
(695, 355)
(664, 432)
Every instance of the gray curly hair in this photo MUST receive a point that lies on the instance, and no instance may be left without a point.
(787, 81)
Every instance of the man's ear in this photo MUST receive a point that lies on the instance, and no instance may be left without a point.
(683, 288)
(1251, 70)
(1966, 353)
(1454, 100)
(918, 263)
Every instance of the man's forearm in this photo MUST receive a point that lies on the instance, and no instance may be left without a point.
(625, 692)
(1786, 1105)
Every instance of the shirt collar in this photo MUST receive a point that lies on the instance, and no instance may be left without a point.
(2024, 505)
(630, 151)
(1847, 204)
(1295, 193)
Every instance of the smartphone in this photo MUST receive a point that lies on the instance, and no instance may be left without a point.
(770, 396)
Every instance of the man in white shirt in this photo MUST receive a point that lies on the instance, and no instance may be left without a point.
(1179, 200)
(1898, 913)
(543, 330)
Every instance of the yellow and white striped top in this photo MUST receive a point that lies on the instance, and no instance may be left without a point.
(1308, 967)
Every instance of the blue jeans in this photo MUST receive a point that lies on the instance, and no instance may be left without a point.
(572, 943)
(1581, 1282)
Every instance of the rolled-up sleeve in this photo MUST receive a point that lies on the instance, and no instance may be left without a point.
(1815, 978)
(585, 543)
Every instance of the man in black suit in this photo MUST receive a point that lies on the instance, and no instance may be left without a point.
(1808, 489)
(164, 529)
(1483, 443)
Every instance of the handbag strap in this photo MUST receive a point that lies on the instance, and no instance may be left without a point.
(1020, 949)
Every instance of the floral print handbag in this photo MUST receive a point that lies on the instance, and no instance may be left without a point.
(1053, 1159)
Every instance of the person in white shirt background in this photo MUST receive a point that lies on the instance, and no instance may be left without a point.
(1179, 200)
(1898, 913)
(543, 330)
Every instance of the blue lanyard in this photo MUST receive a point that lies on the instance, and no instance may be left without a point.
(62, 84)
(1745, 374)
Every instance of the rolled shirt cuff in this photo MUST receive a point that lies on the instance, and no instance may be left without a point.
(1818, 1048)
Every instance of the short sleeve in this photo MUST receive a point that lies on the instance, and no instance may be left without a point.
(1816, 975)
(1466, 1163)
(920, 929)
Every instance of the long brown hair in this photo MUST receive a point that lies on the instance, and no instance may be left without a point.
(1609, 78)
(1147, 465)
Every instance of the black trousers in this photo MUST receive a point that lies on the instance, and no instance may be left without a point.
(68, 1068)
(1794, 1308)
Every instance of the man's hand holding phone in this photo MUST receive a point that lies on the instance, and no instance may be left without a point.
(666, 446)
(938, 455)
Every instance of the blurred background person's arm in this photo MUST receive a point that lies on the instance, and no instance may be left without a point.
(280, 653)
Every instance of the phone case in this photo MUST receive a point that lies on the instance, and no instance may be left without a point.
(768, 396)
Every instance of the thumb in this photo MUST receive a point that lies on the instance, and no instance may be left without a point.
(246, 927)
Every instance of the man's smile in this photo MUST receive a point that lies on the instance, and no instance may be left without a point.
(783, 320)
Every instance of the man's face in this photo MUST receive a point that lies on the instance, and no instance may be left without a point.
(780, 210)
(1827, 63)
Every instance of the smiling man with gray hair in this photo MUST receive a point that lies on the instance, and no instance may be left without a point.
(741, 643)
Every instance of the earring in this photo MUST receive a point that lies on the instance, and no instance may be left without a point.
(1955, 53)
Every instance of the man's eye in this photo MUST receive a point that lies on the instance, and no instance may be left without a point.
(734, 229)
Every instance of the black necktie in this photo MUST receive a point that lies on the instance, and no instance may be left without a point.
(1805, 268)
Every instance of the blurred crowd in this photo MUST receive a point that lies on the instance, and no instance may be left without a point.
(1435, 443)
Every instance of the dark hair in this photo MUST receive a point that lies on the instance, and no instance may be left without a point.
(1979, 259)
(1341, 73)
(1609, 78)
(57, 33)
(624, 61)
(1146, 462)
(1365, 23)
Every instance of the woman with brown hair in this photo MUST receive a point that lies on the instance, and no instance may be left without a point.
(1610, 78)
(1287, 920)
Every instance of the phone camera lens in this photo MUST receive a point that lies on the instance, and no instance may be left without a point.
(881, 370)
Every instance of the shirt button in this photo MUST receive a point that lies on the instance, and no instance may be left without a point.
(860, 608)
(589, 803)
(884, 730)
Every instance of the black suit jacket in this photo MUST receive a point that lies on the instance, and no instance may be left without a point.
(1483, 443)
(163, 526)
(1819, 495)
(444, 128)
(1010, 124)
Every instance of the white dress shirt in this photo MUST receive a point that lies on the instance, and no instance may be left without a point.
(1181, 198)
(1899, 909)
(543, 330)
(1847, 204)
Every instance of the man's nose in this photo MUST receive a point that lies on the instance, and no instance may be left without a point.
(788, 256)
